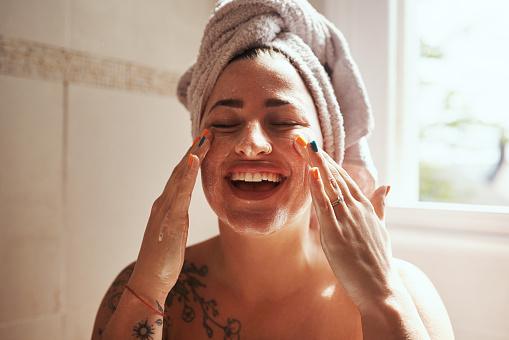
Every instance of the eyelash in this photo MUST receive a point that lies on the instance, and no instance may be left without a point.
(287, 124)
(223, 126)
(226, 126)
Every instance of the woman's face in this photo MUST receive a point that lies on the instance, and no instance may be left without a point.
(253, 177)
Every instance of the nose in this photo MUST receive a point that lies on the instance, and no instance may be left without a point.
(253, 141)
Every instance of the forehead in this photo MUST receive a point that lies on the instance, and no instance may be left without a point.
(266, 75)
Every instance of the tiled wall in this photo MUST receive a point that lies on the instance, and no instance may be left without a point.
(90, 130)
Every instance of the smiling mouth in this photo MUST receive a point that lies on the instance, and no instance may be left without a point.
(256, 181)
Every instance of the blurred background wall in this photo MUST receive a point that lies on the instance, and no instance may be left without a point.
(90, 130)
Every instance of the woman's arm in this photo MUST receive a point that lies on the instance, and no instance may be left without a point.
(139, 312)
(426, 299)
(138, 320)
(357, 246)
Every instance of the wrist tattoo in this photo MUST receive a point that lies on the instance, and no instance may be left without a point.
(143, 331)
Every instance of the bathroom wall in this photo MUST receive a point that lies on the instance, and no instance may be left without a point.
(90, 130)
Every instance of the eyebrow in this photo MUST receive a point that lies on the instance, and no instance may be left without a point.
(239, 104)
(235, 103)
(275, 102)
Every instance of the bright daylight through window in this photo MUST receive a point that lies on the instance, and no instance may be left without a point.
(463, 101)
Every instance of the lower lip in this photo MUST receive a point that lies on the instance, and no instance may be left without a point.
(254, 195)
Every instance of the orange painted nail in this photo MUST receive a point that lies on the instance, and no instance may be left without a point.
(196, 140)
(205, 132)
(301, 141)
(388, 189)
(191, 159)
(316, 174)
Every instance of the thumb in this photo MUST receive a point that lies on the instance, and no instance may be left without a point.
(378, 201)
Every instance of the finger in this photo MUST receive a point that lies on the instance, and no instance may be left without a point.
(333, 187)
(200, 149)
(300, 145)
(176, 219)
(378, 201)
(353, 188)
(324, 211)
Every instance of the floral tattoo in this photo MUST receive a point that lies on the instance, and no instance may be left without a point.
(187, 288)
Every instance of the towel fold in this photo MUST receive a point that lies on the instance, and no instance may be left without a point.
(316, 48)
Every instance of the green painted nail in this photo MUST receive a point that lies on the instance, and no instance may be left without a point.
(202, 140)
(314, 146)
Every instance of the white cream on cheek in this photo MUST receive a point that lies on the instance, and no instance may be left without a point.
(257, 218)
(266, 79)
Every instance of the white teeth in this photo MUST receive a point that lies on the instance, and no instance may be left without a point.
(255, 177)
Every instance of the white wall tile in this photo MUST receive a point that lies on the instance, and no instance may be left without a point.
(30, 197)
(43, 328)
(161, 34)
(42, 21)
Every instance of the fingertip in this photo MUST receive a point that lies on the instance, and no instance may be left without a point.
(196, 140)
(194, 161)
(313, 146)
(315, 173)
(301, 141)
(300, 145)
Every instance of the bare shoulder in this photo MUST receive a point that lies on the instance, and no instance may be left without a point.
(110, 300)
(426, 299)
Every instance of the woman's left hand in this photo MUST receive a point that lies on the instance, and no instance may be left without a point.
(352, 230)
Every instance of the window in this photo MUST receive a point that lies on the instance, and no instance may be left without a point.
(462, 100)
(427, 127)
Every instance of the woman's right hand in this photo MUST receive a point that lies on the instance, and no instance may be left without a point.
(161, 255)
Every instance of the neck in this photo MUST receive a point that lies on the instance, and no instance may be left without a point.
(270, 267)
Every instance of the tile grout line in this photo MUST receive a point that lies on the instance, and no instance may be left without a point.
(27, 319)
(65, 213)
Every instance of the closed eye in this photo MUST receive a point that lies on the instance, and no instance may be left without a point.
(224, 126)
(286, 124)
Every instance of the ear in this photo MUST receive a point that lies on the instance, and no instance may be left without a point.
(378, 201)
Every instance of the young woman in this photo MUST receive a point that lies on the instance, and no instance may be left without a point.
(302, 252)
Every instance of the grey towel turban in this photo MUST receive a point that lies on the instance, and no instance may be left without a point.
(316, 48)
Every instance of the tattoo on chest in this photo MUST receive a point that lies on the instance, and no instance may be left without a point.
(187, 289)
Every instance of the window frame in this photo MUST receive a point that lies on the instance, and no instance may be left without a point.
(390, 37)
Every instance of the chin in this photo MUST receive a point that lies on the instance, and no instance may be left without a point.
(255, 225)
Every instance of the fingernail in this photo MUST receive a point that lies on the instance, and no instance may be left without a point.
(388, 189)
(301, 141)
(191, 159)
(314, 146)
(160, 237)
(202, 140)
(316, 174)
(196, 140)
(205, 132)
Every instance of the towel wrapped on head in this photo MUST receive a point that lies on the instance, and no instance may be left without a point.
(315, 47)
